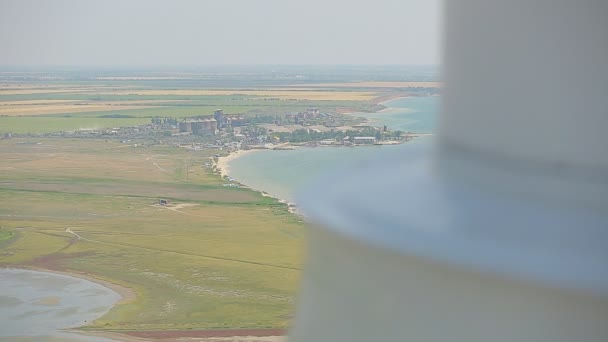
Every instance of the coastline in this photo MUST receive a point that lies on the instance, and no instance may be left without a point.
(378, 101)
(127, 295)
(381, 100)
(389, 100)
(222, 166)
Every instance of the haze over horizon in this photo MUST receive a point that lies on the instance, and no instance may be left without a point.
(235, 32)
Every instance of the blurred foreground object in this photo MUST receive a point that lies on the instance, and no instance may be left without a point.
(502, 233)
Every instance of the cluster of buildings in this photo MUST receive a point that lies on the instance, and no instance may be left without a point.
(198, 126)
(211, 124)
(301, 117)
(235, 131)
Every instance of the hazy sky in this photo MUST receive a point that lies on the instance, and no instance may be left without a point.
(199, 32)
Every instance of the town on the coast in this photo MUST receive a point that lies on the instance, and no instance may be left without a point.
(231, 132)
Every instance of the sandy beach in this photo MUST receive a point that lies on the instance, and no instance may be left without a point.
(222, 164)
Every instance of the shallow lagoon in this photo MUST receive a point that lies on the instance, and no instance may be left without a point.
(36, 306)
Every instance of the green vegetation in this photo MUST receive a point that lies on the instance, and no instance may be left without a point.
(48, 124)
(5, 234)
(304, 135)
(215, 257)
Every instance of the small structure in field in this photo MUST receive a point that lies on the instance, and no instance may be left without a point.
(163, 201)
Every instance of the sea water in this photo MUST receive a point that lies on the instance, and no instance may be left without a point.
(407, 114)
(282, 173)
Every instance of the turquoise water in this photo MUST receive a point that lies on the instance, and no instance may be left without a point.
(35, 306)
(283, 173)
(409, 114)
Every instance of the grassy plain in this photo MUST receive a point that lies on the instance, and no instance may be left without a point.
(48, 124)
(5, 234)
(217, 257)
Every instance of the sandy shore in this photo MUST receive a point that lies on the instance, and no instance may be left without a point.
(222, 164)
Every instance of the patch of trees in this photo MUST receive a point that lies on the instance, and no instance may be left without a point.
(116, 116)
(306, 135)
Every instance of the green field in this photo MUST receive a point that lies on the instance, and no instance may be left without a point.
(216, 257)
(5, 234)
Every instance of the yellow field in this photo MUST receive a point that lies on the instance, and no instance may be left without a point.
(377, 85)
(20, 86)
(61, 107)
(42, 91)
(34, 102)
(43, 88)
(281, 94)
(140, 78)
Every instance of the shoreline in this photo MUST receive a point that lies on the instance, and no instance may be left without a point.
(381, 100)
(378, 101)
(223, 168)
(394, 99)
(127, 295)
(222, 163)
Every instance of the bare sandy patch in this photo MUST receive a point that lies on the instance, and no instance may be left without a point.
(183, 205)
